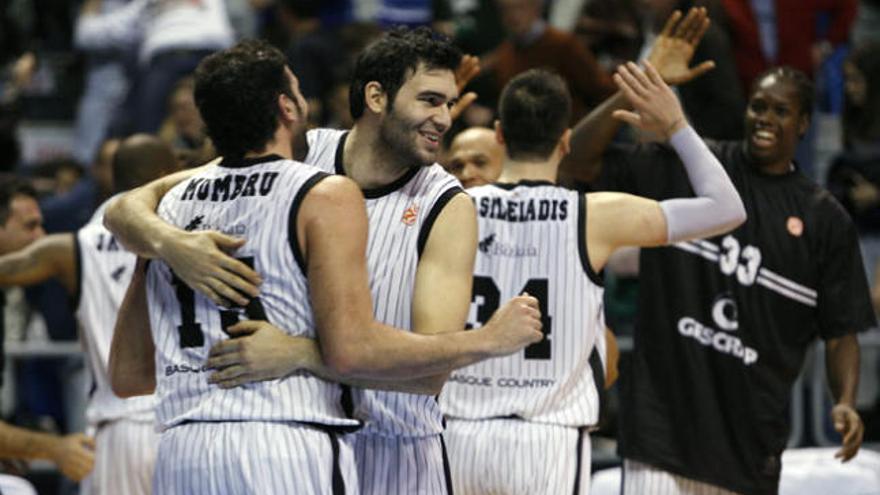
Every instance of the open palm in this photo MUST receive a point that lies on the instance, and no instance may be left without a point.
(674, 47)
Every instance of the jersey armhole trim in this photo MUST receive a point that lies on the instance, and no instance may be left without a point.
(582, 242)
(428, 224)
(292, 237)
(78, 259)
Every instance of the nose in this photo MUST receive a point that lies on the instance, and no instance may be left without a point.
(442, 119)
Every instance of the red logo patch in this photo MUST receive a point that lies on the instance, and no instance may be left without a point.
(410, 215)
(795, 226)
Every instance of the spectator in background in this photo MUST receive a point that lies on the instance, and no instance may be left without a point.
(785, 32)
(109, 68)
(172, 37)
(20, 74)
(183, 128)
(612, 30)
(531, 43)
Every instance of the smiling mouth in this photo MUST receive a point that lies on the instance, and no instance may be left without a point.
(433, 138)
(763, 139)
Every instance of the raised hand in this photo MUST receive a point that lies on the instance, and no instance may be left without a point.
(657, 109)
(467, 69)
(674, 47)
(515, 325)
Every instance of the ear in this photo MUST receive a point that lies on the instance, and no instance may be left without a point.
(375, 97)
(803, 125)
(564, 144)
(286, 107)
(499, 134)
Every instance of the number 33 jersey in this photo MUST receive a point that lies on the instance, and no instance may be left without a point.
(257, 200)
(532, 239)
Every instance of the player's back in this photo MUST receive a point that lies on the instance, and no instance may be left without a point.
(532, 239)
(104, 271)
(258, 200)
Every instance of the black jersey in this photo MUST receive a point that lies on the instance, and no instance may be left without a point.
(724, 323)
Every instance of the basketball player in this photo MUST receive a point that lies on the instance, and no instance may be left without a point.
(21, 223)
(259, 196)
(96, 271)
(724, 323)
(553, 242)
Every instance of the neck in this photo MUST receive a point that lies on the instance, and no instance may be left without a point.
(778, 168)
(519, 170)
(281, 145)
(366, 162)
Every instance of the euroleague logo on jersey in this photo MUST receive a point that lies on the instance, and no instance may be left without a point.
(725, 314)
(410, 215)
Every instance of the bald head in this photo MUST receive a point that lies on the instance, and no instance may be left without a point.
(475, 157)
(139, 159)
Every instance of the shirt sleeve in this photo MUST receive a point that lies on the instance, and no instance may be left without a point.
(844, 303)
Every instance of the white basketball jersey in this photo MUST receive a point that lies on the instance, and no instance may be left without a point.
(104, 271)
(532, 239)
(401, 215)
(257, 200)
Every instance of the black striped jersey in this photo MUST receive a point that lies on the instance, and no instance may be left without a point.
(104, 270)
(401, 215)
(532, 239)
(724, 323)
(257, 200)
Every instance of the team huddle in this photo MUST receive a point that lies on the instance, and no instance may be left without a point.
(338, 315)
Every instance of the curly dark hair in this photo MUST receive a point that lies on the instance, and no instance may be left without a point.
(389, 60)
(236, 91)
(802, 84)
(535, 108)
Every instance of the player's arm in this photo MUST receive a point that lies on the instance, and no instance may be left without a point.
(47, 257)
(842, 369)
(132, 366)
(617, 219)
(671, 53)
(197, 258)
(73, 454)
(332, 226)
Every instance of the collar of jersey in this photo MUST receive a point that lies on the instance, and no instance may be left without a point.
(248, 162)
(523, 183)
(376, 192)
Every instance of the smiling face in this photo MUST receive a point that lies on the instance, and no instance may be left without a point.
(774, 123)
(24, 225)
(414, 125)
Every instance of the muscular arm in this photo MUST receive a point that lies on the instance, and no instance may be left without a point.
(132, 366)
(48, 257)
(198, 258)
(353, 347)
(842, 369)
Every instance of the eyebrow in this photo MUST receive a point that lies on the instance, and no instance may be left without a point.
(438, 94)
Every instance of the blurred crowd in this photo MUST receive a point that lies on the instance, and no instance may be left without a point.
(76, 77)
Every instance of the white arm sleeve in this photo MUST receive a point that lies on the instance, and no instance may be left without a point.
(717, 207)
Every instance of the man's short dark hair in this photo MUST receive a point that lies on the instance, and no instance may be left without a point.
(394, 57)
(139, 159)
(236, 91)
(535, 108)
(9, 189)
(802, 84)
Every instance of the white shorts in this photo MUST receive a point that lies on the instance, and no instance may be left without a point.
(516, 457)
(644, 479)
(125, 453)
(401, 465)
(251, 458)
(13, 485)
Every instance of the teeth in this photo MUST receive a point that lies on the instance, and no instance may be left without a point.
(764, 134)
